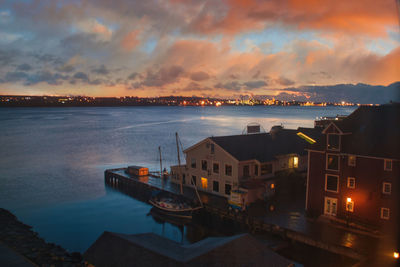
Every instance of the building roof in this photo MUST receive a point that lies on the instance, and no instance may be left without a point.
(370, 131)
(265, 147)
(112, 249)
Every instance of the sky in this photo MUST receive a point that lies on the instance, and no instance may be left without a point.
(195, 47)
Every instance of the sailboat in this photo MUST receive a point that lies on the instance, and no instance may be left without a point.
(175, 205)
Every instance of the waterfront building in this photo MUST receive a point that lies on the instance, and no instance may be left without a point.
(353, 173)
(221, 164)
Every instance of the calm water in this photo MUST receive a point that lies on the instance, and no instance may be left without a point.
(52, 161)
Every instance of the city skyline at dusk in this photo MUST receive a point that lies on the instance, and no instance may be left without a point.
(297, 49)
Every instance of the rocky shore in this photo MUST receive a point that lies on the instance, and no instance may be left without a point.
(20, 238)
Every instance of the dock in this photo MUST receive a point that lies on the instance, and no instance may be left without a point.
(216, 212)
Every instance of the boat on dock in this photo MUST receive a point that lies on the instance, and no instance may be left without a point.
(176, 205)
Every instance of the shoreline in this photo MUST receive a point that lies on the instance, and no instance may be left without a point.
(20, 238)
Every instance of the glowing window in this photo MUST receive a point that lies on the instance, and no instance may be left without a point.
(295, 162)
(204, 183)
(349, 205)
(351, 182)
(332, 162)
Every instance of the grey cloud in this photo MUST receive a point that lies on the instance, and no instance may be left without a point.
(66, 68)
(47, 77)
(199, 76)
(234, 86)
(81, 76)
(284, 81)
(163, 76)
(255, 84)
(102, 70)
(15, 76)
(133, 76)
(193, 86)
(24, 67)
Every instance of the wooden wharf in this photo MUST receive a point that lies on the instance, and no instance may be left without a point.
(216, 210)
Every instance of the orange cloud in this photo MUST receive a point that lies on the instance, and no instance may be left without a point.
(130, 41)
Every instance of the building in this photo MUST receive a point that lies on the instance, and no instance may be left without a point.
(353, 173)
(112, 249)
(221, 164)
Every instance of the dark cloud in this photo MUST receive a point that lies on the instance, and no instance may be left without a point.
(193, 86)
(284, 81)
(96, 82)
(81, 76)
(233, 86)
(47, 58)
(163, 76)
(102, 70)
(199, 76)
(15, 76)
(24, 67)
(255, 84)
(133, 76)
(66, 68)
(256, 75)
(47, 77)
(7, 57)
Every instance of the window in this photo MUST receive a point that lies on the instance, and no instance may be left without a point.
(387, 188)
(204, 165)
(193, 163)
(332, 183)
(332, 162)
(228, 170)
(212, 149)
(295, 162)
(330, 207)
(215, 168)
(204, 183)
(388, 165)
(351, 160)
(228, 188)
(216, 186)
(351, 182)
(183, 179)
(349, 205)
(255, 169)
(385, 213)
(333, 141)
(193, 180)
(266, 168)
(246, 170)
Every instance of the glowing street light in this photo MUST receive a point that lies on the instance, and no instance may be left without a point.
(348, 199)
(395, 255)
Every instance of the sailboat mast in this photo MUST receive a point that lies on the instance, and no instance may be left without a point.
(179, 163)
(161, 171)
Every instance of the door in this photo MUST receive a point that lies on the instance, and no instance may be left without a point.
(330, 207)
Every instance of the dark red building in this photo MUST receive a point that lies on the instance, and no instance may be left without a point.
(353, 172)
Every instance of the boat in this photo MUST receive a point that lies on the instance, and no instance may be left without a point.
(174, 205)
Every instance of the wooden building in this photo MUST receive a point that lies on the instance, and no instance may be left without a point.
(353, 172)
(222, 164)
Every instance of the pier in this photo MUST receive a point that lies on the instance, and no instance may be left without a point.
(216, 212)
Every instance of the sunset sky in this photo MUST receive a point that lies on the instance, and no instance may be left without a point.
(194, 47)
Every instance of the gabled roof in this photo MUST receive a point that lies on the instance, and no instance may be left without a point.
(112, 249)
(265, 147)
(372, 131)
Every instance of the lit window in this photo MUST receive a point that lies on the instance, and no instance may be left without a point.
(204, 183)
(193, 163)
(332, 183)
(332, 162)
(387, 188)
(385, 213)
(349, 205)
(351, 182)
(204, 165)
(295, 162)
(333, 142)
(388, 165)
(216, 168)
(352, 160)
(228, 170)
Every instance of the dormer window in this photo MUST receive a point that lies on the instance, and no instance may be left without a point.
(333, 142)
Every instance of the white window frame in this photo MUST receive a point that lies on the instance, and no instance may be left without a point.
(350, 163)
(383, 188)
(385, 164)
(326, 184)
(388, 212)
(331, 199)
(338, 156)
(348, 182)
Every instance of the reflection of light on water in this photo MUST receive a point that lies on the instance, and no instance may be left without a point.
(348, 239)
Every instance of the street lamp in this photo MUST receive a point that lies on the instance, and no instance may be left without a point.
(395, 255)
